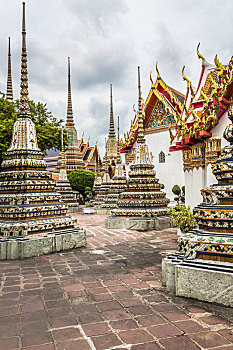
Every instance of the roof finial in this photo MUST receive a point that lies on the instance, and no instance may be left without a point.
(111, 126)
(24, 109)
(70, 120)
(200, 55)
(9, 90)
(118, 141)
(140, 138)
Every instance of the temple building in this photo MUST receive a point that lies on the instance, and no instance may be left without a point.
(142, 205)
(33, 218)
(200, 123)
(185, 132)
(203, 266)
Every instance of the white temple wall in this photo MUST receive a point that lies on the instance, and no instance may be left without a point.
(171, 172)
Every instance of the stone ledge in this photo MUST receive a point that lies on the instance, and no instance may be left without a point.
(199, 279)
(138, 224)
(36, 245)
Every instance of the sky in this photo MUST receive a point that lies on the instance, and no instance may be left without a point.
(107, 40)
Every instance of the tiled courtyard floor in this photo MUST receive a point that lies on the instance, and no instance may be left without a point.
(105, 296)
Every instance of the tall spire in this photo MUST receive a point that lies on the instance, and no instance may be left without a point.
(118, 141)
(140, 138)
(70, 120)
(111, 126)
(24, 110)
(9, 90)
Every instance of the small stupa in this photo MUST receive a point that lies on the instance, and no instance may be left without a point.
(63, 185)
(142, 206)
(33, 218)
(117, 185)
(203, 266)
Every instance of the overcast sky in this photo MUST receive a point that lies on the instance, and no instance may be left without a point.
(107, 40)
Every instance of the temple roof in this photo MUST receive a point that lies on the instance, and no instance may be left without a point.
(203, 107)
(169, 98)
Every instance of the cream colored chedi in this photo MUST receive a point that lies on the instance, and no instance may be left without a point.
(29, 204)
(203, 266)
(142, 206)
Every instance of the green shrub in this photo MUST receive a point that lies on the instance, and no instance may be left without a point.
(183, 217)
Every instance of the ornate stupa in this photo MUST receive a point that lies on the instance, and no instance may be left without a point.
(73, 155)
(33, 218)
(204, 262)
(63, 185)
(117, 185)
(9, 89)
(143, 202)
(110, 157)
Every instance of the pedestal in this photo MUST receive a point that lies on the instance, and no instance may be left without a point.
(138, 224)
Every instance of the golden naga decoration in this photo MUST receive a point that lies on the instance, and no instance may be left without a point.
(172, 137)
(151, 78)
(218, 63)
(204, 97)
(157, 70)
(186, 114)
(199, 55)
(189, 85)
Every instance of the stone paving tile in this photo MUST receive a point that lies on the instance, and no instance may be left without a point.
(181, 342)
(135, 336)
(209, 339)
(115, 298)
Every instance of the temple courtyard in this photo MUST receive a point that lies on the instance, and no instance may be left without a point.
(105, 296)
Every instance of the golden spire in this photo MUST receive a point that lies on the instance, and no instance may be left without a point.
(24, 109)
(62, 150)
(9, 90)
(70, 120)
(111, 125)
(118, 141)
(141, 138)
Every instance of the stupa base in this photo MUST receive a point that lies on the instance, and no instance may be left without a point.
(102, 211)
(203, 280)
(41, 244)
(138, 224)
(75, 209)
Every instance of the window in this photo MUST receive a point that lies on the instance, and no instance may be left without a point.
(161, 157)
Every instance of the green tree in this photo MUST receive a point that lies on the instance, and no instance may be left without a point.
(180, 194)
(80, 180)
(48, 128)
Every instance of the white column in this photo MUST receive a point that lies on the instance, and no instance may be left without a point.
(188, 176)
(199, 182)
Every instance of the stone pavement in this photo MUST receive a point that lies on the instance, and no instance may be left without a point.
(105, 296)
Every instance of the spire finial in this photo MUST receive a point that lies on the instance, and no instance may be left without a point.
(140, 138)
(9, 90)
(111, 126)
(70, 120)
(118, 141)
(24, 109)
